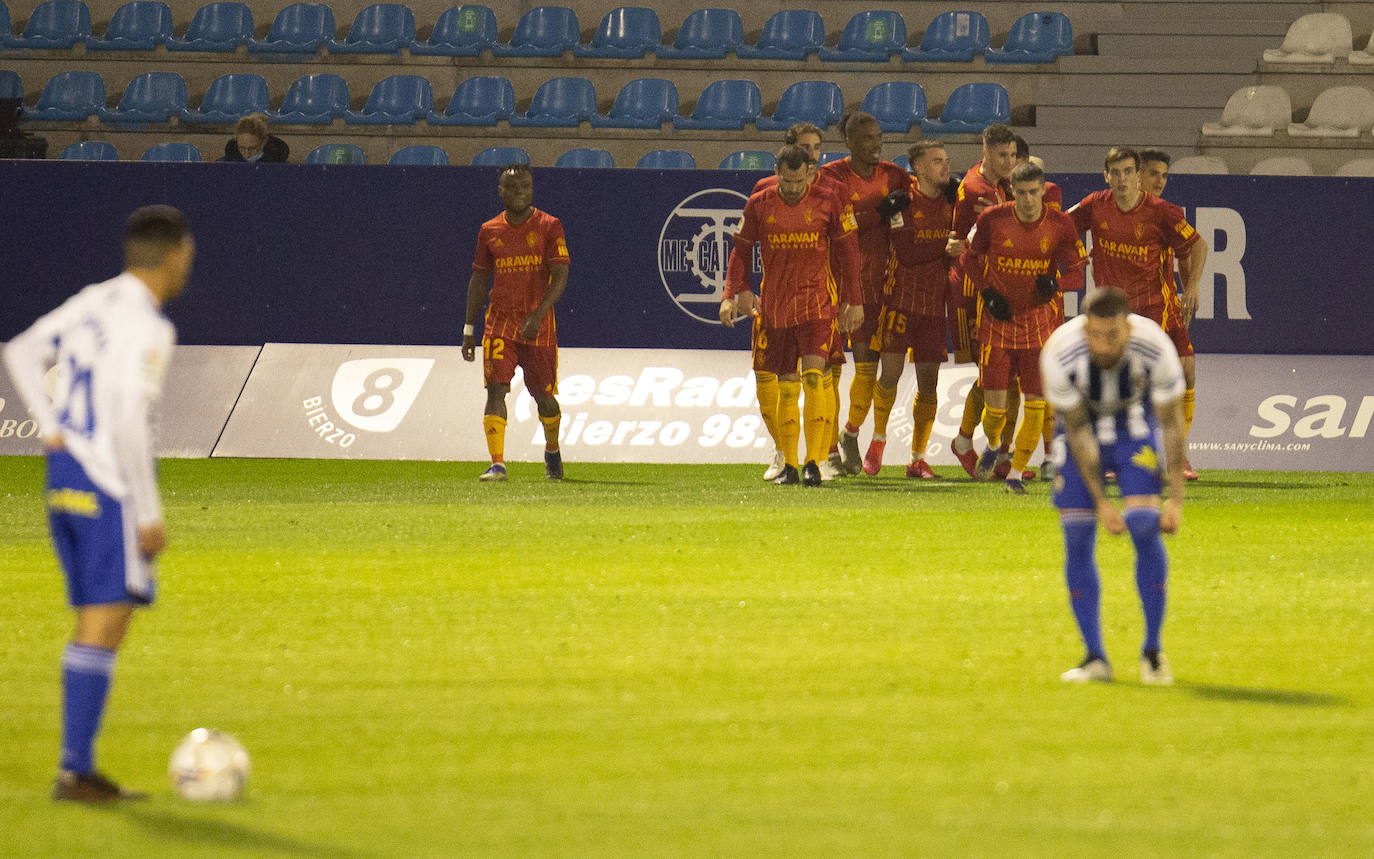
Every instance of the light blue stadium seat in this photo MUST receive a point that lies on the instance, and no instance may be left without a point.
(53, 24)
(500, 156)
(478, 101)
(818, 102)
(396, 100)
(728, 104)
(827, 157)
(182, 152)
(559, 103)
(70, 96)
(461, 31)
(952, 37)
(897, 105)
(544, 31)
(970, 109)
(869, 37)
(11, 85)
(627, 32)
(216, 27)
(903, 162)
(706, 34)
(749, 159)
(382, 28)
(642, 103)
(586, 158)
(667, 159)
(5, 25)
(300, 28)
(138, 26)
(336, 153)
(90, 150)
(150, 97)
(792, 34)
(229, 98)
(1038, 37)
(313, 100)
(420, 156)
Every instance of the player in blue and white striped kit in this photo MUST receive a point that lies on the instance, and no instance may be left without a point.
(1115, 381)
(108, 347)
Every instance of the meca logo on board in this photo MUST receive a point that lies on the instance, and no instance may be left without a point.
(694, 250)
(369, 394)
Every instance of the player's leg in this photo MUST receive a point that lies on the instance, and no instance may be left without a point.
(766, 386)
(1189, 362)
(961, 328)
(1047, 434)
(1003, 466)
(1140, 479)
(836, 459)
(860, 388)
(1028, 435)
(499, 360)
(540, 364)
(923, 411)
(891, 361)
(814, 347)
(1078, 519)
(994, 373)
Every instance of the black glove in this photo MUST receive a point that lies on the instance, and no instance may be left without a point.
(996, 304)
(893, 203)
(1046, 285)
(952, 191)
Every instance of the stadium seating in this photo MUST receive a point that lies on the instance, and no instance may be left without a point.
(544, 31)
(1282, 165)
(182, 152)
(336, 153)
(749, 159)
(420, 156)
(313, 100)
(970, 109)
(138, 26)
(11, 85)
(1357, 167)
(897, 105)
(5, 26)
(500, 156)
(1365, 57)
(952, 37)
(869, 37)
(706, 34)
(903, 162)
(70, 96)
(827, 157)
(1342, 111)
(627, 32)
(724, 105)
(641, 103)
(1038, 37)
(818, 102)
(667, 159)
(478, 101)
(216, 27)
(383, 28)
(1322, 37)
(90, 150)
(792, 34)
(461, 31)
(301, 28)
(1199, 165)
(396, 100)
(53, 24)
(229, 98)
(150, 97)
(586, 158)
(1253, 111)
(559, 103)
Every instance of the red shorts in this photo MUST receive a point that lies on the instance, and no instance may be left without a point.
(540, 363)
(997, 366)
(1177, 333)
(925, 336)
(864, 333)
(780, 350)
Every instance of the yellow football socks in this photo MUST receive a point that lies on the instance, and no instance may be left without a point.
(816, 413)
(973, 411)
(993, 422)
(1013, 409)
(1028, 437)
(923, 417)
(883, 400)
(1187, 411)
(1047, 432)
(861, 393)
(789, 420)
(495, 428)
(766, 384)
(835, 373)
(551, 430)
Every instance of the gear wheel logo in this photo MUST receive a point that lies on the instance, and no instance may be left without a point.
(694, 250)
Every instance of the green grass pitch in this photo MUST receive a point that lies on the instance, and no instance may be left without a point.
(681, 660)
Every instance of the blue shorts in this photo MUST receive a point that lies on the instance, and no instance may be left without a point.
(1138, 464)
(95, 538)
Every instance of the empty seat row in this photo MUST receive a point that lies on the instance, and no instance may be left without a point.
(1321, 37)
(1277, 165)
(1261, 111)
(547, 31)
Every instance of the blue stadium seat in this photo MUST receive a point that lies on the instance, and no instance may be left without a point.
(216, 27)
(478, 101)
(749, 159)
(586, 158)
(952, 37)
(897, 105)
(11, 85)
(642, 103)
(336, 153)
(461, 31)
(138, 26)
(827, 157)
(300, 28)
(70, 96)
(229, 98)
(54, 24)
(396, 100)
(667, 159)
(818, 102)
(559, 103)
(544, 31)
(150, 97)
(420, 156)
(706, 34)
(729, 105)
(90, 150)
(4, 23)
(903, 162)
(313, 100)
(182, 152)
(383, 28)
(970, 109)
(869, 37)
(792, 34)
(500, 156)
(1038, 37)
(627, 32)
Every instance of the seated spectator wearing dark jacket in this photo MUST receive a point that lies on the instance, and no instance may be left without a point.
(252, 142)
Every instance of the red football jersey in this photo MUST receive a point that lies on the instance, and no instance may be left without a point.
(962, 295)
(918, 284)
(520, 256)
(1009, 255)
(864, 195)
(1131, 249)
(1054, 196)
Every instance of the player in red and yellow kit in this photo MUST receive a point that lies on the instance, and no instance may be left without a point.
(1019, 251)
(797, 226)
(522, 256)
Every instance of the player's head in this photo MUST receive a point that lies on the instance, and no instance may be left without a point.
(794, 172)
(929, 162)
(1106, 325)
(999, 151)
(515, 187)
(158, 244)
(863, 137)
(1154, 171)
(250, 133)
(1022, 150)
(805, 135)
(1028, 190)
(1121, 170)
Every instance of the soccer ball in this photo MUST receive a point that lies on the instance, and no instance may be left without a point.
(209, 766)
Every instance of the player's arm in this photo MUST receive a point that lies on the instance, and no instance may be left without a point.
(558, 281)
(1171, 421)
(845, 243)
(27, 358)
(479, 285)
(1079, 432)
(739, 299)
(1190, 268)
(133, 441)
(1072, 260)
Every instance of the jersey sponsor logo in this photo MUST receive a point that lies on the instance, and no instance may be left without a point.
(793, 240)
(1124, 250)
(374, 394)
(518, 262)
(1020, 265)
(694, 250)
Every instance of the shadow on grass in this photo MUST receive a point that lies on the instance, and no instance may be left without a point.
(1255, 484)
(203, 832)
(1280, 697)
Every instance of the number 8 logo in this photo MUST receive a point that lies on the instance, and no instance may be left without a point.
(375, 394)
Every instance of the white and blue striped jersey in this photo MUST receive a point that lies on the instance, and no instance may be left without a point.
(90, 371)
(1115, 396)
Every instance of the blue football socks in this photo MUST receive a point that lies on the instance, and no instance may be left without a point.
(1151, 570)
(86, 672)
(1080, 568)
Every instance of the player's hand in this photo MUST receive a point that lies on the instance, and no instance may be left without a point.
(727, 313)
(952, 190)
(997, 305)
(1110, 517)
(982, 203)
(54, 443)
(152, 539)
(469, 347)
(954, 245)
(1046, 285)
(1189, 307)
(894, 203)
(1170, 516)
(851, 317)
(529, 329)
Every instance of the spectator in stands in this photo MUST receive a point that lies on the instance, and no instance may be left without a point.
(252, 142)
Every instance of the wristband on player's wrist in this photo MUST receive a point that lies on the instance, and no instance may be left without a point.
(468, 331)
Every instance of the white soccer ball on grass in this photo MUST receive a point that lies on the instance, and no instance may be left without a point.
(209, 766)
